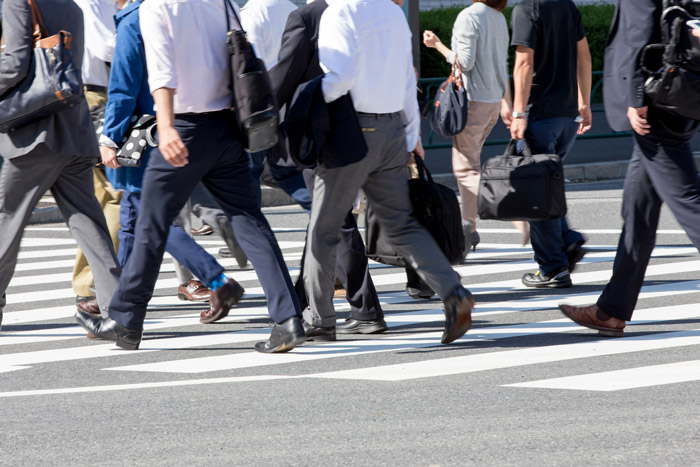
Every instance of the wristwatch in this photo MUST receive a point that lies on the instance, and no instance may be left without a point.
(519, 114)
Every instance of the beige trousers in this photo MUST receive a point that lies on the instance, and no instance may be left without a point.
(109, 199)
(466, 153)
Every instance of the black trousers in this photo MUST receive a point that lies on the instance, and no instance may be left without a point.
(351, 268)
(661, 170)
(216, 157)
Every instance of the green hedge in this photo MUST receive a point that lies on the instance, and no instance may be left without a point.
(596, 21)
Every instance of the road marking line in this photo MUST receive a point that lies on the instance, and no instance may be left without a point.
(513, 358)
(161, 384)
(631, 378)
(392, 343)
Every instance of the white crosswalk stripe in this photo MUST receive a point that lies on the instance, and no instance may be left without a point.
(39, 329)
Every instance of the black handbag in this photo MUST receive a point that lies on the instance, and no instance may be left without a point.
(527, 187)
(253, 100)
(139, 136)
(449, 115)
(435, 207)
(52, 84)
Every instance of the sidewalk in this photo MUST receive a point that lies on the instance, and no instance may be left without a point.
(46, 211)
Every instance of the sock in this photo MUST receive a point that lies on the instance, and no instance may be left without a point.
(218, 281)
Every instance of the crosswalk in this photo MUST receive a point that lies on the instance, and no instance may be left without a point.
(39, 330)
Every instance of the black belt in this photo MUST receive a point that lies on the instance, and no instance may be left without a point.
(365, 114)
(95, 88)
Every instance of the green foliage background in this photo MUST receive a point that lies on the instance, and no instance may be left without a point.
(596, 21)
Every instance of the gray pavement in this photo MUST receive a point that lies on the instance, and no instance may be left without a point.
(523, 387)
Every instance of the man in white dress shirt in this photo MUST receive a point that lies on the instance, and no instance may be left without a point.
(199, 139)
(365, 49)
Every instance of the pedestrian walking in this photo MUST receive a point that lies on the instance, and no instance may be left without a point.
(56, 153)
(480, 45)
(661, 170)
(552, 85)
(199, 139)
(298, 63)
(365, 48)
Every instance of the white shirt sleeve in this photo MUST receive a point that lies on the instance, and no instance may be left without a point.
(160, 51)
(336, 52)
(410, 114)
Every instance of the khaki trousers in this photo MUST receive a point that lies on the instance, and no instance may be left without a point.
(109, 199)
(466, 153)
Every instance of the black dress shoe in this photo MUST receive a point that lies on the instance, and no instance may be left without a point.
(458, 314)
(318, 333)
(284, 337)
(221, 300)
(361, 326)
(105, 328)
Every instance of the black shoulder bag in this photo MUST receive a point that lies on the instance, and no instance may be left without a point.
(253, 101)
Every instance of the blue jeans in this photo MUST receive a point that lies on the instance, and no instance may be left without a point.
(551, 238)
(289, 179)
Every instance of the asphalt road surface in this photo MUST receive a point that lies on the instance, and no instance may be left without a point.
(523, 387)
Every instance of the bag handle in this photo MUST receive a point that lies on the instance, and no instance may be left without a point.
(38, 28)
(510, 149)
(423, 171)
(457, 73)
(227, 7)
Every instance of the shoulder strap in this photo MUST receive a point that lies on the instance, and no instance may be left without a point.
(227, 6)
(38, 28)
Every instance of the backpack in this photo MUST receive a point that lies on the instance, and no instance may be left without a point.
(673, 66)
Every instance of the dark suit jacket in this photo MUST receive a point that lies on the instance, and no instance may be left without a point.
(69, 131)
(635, 24)
(339, 141)
(298, 58)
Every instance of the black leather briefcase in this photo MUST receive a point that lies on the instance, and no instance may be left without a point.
(526, 187)
(435, 207)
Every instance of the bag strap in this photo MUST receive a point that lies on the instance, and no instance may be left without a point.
(423, 171)
(38, 28)
(510, 149)
(228, 6)
(457, 73)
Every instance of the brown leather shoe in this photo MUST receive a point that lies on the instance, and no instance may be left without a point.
(193, 290)
(89, 306)
(222, 299)
(205, 229)
(587, 316)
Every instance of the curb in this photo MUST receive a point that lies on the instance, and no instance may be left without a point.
(594, 172)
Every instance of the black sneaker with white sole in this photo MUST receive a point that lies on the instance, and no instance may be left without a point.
(560, 279)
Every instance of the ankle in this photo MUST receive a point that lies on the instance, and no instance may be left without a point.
(601, 315)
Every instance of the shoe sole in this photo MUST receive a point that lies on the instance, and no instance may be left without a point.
(286, 347)
(605, 332)
(186, 298)
(377, 330)
(322, 338)
(550, 285)
(227, 306)
(463, 323)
